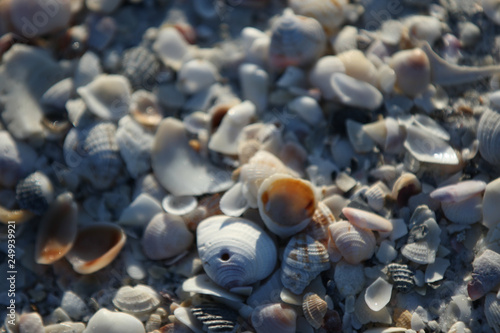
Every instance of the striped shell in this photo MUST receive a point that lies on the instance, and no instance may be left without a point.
(35, 193)
(354, 243)
(138, 301)
(140, 66)
(402, 277)
(492, 311)
(321, 220)
(216, 318)
(489, 138)
(329, 13)
(314, 308)
(304, 259)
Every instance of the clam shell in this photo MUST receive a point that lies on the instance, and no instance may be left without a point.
(354, 243)
(413, 71)
(314, 308)
(376, 195)
(304, 259)
(275, 317)
(57, 230)
(485, 274)
(235, 252)
(353, 92)
(138, 301)
(492, 311)
(216, 317)
(95, 247)
(140, 67)
(367, 220)
(114, 322)
(166, 236)
(402, 277)
(330, 13)
(286, 204)
(321, 220)
(488, 137)
(35, 193)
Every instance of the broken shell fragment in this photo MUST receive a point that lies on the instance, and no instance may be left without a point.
(378, 294)
(274, 317)
(485, 274)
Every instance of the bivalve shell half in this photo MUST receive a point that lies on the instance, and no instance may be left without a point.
(304, 259)
(314, 308)
(330, 13)
(35, 193)
(138, 301)
(321, 220)
(354, 243)
(286, 204)
(413, 71)
(113, 322)
(274, 317)
(488, 134)
(235, 252)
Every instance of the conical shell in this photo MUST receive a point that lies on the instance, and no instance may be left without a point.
(35, 193)
(355, 244)
(275, 317)
(95, 247)
(329, 13)
(138, 301)
(235, 252)
(286, 204)
(304, 259)
(314, 308)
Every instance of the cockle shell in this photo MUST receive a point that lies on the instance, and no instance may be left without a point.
(367, 220)
(286, 204)
(304, 259)
(95, 247)
(329, 13)
(354, 243)
(485, 274)
(274, 317)
(57, 230)
(376, 195)
(113, 322)
(235, 252)
(140, 67)
(314, 308)
(489, 136)
(295, 41)
(138, 301)
(321, 220)
(166, 236)
(413, 71)
(492, 311)
(402, 277)
(35, 193)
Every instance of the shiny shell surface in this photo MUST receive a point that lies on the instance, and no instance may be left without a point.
(354, 243)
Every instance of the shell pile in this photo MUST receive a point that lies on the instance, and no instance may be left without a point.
(249, 166)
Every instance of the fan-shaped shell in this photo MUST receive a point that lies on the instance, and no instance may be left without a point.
(286, 204)
(329, 13)
(166, 236)
(355, 244)
(304, 259)
(35, 193)
(235, 252)
(138, 301)
(314, 308)
(274, 317)
(488, 134)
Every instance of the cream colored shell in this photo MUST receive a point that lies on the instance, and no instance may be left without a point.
(355, 244)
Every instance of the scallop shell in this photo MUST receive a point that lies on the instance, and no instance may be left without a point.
(140, 67)
(354, 243)
(330, 13)
(114, 322)
(166, 236)
(95, 247)
(138, 301)
(275, 317)
(402, 276)
(35, 193)
(228, 250)
(314, 308)
(367, 220)
(216, 317)
(286, 204)
(413, 71)
(304, 259)
(376, 196)
(295, 41)
(489, 139)
(492, 311)
(485, 274)
(57, 230)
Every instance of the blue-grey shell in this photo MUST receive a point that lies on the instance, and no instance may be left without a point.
(140, 66)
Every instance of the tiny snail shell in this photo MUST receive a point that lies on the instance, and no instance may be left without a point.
(35, 193)
(138, 301)
(355, 244)
(367, 220)
(286, 204)
(314, 308)
(166, 236)
(274, 317)
(235, 252)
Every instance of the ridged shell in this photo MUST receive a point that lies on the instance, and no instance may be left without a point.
(402, 276)
(216, 318)
(114, 322)
(314, 308)
(488, 135)
(295, 41)
(402, 318)
(35, 193)
(376, 195)
(304, 259)
(275, 317)
(140, 66)
(321, 220)
(235, 252)
(492, 311)
(355, 244)
(329, 13)
(93, 153)
(469, 211)
(485, 274)
(145, 109)
(166, 236)
(138, 301)
(286, 204)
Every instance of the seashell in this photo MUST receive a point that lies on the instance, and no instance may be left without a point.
(57, 95)
(428, 124)
(35, 193)
(140, 67)
(349, 279)
(92, 152)
(402, 277)
(275, 317)
(216, 317)
(138, 301)
(413, 71)
(354, 243)
(423, 28)
(488, 137)
(303, 260)
(354, 92)
(145, 109)
(405, 186)
(485, 274)
(358, 66)
(148, 184)
(387, 133)
(103, 6)
(345, 40)
(314, 309)
(386, 252)
(321, 220)
(378, 294)
(228, 247)
(490, 201)
(57, 230)
(179, 168)
(358, 138)
(308, 109)
(492, 311)
(428, 148)
(171, 47)
(367, 220)
(295, 41)
(402, 318)
(330, 14)
(435, 271)
(196, 75)
(366, 315)
(320, 74)
(233, 202)
(202, 284)
(32, 19)
(114, 322)
(88, 68)
(73, 305)
(376, 195)
(31, 322)
(17, 216)
(490, 9)
(179, 205)
(391, 32)
(286, 204)
(166, 236)
(254, 82)
(15, 159)
(468, 211)
(424, 237)
(64, 327)
(107, 96)
(95, 247)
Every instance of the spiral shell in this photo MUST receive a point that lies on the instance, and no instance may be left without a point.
(314, 308)
(304, 259)
(140, 66)
(138, 301)
(35, 193)
(274, 317)
(329, 13)
(355, 244)
(216, 317)
(402, 277)
(489, 138)
(235, 252)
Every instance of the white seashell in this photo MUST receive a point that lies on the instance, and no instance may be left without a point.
(233, 201)
(103, 6)
(435, 271)
(320, 74)
(179, 205)
(314, 309)
(254, 82)
(57, 231)
(303, 260)
(73, 305)
(217, 317)
(391, 32)
(367, 220)
(16, 160)
(235, 252)
(292, 77)
(196, 75)
(358, 66)
(140, 211)
(423, 28)
(386, 79)
(95, 247)
(57, 95)
(491, 218)
(275, 317)
(378, 294)
(492, 311)
(179, 168)
(376, 195)
(225, 139)
(429, 149)
(387, 133)
(345, 40)
(166, 236)
(138, 301)
(468, 211)
(35, 193)
(413, 71)
(488, 136)
(107, 96)
(354, 92)
(30, 323)
(145, 109)
(349, 279)
(88, 68)
(485, 274)
(295, 41)
(113, 322)
(202, 284)
(33, 18)
(330, 14)
(355, 244)
(286, 204)
(171, 47)
(308, 109)
(428, 124)
(366, 315)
